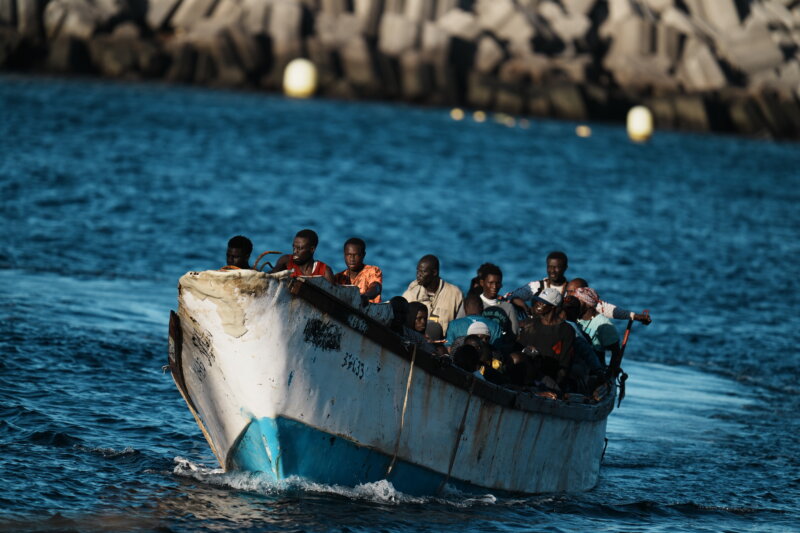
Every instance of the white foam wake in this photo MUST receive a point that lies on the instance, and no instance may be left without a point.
(379, 491)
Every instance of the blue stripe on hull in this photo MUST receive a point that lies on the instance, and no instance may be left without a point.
(282, 447)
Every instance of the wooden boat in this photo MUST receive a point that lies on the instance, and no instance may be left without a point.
(293, 377)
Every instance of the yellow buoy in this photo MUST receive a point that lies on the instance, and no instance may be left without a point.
(457, 113)
(640, 124)
(583, 131)
(479, 116)
(300, 78)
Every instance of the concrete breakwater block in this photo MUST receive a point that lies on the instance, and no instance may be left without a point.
(510, 55)
(8, 13)
(159, 13)
(68, 54)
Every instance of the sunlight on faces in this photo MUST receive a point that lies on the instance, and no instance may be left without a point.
(353, 257)
(491, 285)
(302, 250)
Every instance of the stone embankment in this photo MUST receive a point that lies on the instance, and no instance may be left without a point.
(706, 65)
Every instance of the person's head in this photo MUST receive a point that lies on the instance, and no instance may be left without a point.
(399, 310)
(491, 280)
(417, 317)
(546, 302)
(480, 330)
(473, 305)
(355, 250)
(571, 308)
(304, 245)
(575, 283)
(428, 270)
(466, 357)
(556, 266)
(239, 250)
(480, 343)
(434, 331)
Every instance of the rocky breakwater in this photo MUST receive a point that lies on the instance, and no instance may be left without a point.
(708, 65)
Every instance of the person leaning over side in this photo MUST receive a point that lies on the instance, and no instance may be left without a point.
(441, 298)
(239, 250)
(368, 278)
(598, 328)
(301, 261)
(606, 309)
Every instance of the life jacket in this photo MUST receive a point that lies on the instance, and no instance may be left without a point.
(317, 270)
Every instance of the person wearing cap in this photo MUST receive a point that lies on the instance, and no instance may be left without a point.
(550, 340)
(473, 323)
(598, 328)
(441, 298)
(556, 264)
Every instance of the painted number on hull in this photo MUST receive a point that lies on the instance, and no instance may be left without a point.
(354, 364)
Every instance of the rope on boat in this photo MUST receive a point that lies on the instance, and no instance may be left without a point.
(229, 267)
(403, 412)
(260, 268)
(458, 437)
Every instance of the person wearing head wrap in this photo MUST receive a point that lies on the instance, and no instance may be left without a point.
(606, 309)
(598, 328)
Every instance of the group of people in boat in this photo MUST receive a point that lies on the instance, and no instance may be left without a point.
(550, 335)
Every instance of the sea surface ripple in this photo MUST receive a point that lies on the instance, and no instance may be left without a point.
(110, 192)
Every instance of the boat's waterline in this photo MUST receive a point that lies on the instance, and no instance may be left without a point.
(282, 448)
(290, 378)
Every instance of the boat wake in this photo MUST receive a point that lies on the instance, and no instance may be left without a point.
(377, 492)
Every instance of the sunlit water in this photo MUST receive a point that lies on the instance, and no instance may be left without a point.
(111, 192)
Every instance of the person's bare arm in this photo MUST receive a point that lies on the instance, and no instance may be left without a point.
(372, 291)
(329, 275)
(519, 302)
(280, 266)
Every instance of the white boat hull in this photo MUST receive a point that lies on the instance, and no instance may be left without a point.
(305, 384)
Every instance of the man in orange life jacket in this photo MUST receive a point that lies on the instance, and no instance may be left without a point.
(301, 261)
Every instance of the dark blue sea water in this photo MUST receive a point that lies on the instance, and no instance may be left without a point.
(111, 192)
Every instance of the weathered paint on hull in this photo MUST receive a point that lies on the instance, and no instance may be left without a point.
(271, 379)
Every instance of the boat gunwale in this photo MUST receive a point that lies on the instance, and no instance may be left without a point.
(434, 365)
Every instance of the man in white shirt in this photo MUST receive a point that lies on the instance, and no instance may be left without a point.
(491, 282)
(557, 264)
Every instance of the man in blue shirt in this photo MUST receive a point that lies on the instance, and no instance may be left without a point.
(473, 307)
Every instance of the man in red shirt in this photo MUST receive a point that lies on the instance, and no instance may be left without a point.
(301, 261)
